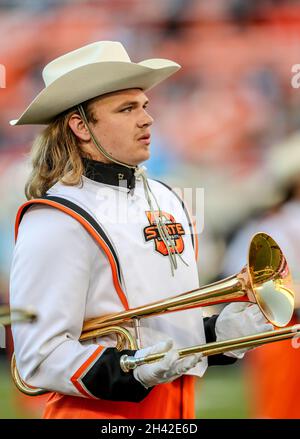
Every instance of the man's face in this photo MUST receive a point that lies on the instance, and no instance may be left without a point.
(123, 125)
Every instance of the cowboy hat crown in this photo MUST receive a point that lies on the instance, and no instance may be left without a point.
(90, 71)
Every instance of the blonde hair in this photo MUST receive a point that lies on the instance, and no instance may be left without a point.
(56, 155)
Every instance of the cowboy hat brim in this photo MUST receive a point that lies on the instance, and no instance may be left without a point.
(90, 81)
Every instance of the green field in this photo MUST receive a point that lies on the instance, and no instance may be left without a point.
(10, 408)
(220, 394)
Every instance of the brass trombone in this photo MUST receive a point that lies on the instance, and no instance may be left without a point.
(265, 280)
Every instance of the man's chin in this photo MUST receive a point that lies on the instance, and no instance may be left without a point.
(143, 158)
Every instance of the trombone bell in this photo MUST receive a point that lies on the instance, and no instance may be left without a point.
(270, 280)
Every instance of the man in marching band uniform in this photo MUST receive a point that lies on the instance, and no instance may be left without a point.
(142, 247)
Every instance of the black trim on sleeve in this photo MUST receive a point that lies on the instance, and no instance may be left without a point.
(106, 380)
(210, 334)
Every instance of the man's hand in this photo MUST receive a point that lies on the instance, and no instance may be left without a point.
(240, 319)
(165, 370)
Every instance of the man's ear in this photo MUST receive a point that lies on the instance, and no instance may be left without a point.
(79, 128)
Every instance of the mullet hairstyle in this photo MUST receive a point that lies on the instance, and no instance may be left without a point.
(56, 154)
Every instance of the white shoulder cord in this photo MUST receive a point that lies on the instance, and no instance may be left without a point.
(140, 172)
(159, 220)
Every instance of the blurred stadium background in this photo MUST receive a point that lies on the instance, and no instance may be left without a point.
(228, 122)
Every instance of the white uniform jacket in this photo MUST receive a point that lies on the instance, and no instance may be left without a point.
(59, 270)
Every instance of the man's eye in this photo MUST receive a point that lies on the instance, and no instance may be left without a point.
(127, 109)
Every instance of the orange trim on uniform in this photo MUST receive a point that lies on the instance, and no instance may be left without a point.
(92, 232)
(81, 371)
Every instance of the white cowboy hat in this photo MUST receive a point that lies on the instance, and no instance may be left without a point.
(90, 71)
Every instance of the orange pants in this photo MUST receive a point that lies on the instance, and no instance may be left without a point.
(166, 401)
(275, 379)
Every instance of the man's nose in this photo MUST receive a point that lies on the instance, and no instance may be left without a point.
(146, 120)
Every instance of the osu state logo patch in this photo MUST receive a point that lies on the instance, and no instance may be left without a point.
(175, 230)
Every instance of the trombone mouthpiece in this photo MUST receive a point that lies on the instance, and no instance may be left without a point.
(127, 363)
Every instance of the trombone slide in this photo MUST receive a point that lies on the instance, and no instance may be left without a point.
(128, 363)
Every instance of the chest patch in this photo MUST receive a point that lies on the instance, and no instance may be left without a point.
(175, 230)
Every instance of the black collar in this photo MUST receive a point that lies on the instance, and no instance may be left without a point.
(109, 173)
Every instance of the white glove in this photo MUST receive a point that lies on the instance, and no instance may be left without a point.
(240, 319)
(165, 370)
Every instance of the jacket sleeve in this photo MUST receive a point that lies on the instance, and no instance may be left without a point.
(50, 273)
(210, 334)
